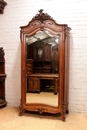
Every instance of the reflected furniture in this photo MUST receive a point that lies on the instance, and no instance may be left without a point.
(2, 78)
(45, 55)
(34, 81)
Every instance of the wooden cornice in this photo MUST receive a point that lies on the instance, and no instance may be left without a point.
(2, 6)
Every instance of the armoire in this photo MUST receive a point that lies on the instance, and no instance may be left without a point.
(44, 65)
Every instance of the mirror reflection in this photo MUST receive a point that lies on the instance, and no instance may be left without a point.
(42, 68)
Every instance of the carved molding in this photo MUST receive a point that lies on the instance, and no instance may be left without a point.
(2, 6)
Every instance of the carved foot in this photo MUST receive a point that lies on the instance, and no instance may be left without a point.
(67, 111)
(63, 116)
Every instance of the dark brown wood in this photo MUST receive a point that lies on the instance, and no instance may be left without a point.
(34, 84)
(29, 66)
(41, 63)
(34, 81)
(46, 52)
(2, 6)
(2, 78)
(42, 22)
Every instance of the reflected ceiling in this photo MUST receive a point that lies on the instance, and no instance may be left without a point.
(44, 36)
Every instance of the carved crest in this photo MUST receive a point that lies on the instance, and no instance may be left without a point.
(41, 16)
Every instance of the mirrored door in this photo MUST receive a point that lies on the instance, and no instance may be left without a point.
(42, 68)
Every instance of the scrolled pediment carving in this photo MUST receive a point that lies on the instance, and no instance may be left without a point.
(42, 16)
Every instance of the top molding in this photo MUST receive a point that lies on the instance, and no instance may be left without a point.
(2, 6)
(43, 21)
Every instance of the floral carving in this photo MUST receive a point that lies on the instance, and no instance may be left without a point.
(42, 16)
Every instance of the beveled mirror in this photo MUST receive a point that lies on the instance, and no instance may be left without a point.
(44, 66)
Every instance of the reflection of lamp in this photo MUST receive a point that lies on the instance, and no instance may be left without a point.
(2, 6)
(57, 40)
(40, 52)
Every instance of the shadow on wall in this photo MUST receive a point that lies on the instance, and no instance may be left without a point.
(69, 68)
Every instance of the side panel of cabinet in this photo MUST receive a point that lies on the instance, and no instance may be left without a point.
(2, 87)
(2, 67)
(66, 93)
(34, 85)
(2, 78)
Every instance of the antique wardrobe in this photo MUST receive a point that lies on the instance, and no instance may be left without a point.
(44, 65)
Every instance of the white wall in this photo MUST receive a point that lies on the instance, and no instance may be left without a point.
(71, 12)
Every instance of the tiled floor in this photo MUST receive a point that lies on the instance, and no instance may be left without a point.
(10, 120)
